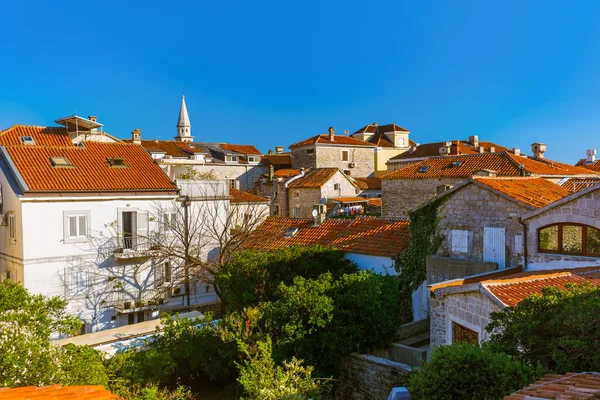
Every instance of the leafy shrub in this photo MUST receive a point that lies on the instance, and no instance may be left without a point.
(466, 371)
(82, 365)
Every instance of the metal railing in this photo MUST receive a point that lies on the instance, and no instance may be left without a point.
(124, 245)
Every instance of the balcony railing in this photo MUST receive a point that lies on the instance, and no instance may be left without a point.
(138, 300)
(125, 247)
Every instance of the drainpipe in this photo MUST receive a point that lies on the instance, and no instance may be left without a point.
(524, 244)
(186, 207)
(286, 191)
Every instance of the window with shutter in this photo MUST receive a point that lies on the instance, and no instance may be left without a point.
(463, 334)
(78, 282)
(460, 241)
(76, 224)
(11, 227)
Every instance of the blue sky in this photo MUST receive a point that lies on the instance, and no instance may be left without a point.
(272, 73)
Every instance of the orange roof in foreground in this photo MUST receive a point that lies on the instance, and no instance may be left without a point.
(505, 164)
(42, 135)
(510, 287)
(536, 192)
(91, 170)
(238, 196)
(571, 386)
(362, 235)
(57, 392)
(337, 140)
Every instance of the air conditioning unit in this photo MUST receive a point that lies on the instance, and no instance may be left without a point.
(352, 165)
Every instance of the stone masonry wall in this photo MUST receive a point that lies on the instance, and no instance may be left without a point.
(302, 159)
(473, 208)
(331, 157)
(471, 310)
(362, 373)
(583, 210)
(306, 198)
(401, 195)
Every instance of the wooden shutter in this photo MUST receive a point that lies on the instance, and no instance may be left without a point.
(463, 334)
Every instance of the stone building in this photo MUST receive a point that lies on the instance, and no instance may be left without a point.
(354, 157)
(391, 140)
(240, 165)
(460, 309)
(407, 188)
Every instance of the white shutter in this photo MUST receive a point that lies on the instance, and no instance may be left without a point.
(142, 223)
(159, 276)
(518, 244)
(120, 226)
(83, 225)
(460, 241)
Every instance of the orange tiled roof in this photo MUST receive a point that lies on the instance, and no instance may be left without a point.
(505, 164)
(241, 148)
(350, 199)
(57, 392)
(42, 135)
(286, 173)
(277, 160)
(594, 166)
(458, 147)
(367, 183)
(91, 170)
(511, 288)
(536, 192)
(315, 178)
(169, 147)
(575, 185)
(338, 140)
(238, 196)
(585, 385)
(375, 202)
(372, 128)
(362, 235)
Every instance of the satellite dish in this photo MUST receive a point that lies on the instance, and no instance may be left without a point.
(315, 213)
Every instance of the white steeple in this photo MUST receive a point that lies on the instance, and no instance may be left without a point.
(184, 128)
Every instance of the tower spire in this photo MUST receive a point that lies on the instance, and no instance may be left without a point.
(184, 127)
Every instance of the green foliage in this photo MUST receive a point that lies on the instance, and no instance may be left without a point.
(82, 365)
(254, 277)
(191, 173)
(263, 380)
(152, 392)
(412, 264)
(559, 329)
(466, 371)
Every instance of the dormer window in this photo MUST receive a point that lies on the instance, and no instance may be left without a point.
(231, 158)
(116, 162)
(27, 140)
(252, 159)
(61, 162)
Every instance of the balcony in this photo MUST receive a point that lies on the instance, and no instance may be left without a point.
(139, 300)
(203, 189)
(129, 248)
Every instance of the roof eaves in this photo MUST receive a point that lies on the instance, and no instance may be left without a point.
(560, 202)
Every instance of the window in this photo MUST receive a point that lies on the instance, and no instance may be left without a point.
(78, 282)
(169, 221)
(76, 226)
(460, 241)
(60, 162)
(12, 234)
(569, 238)
(116, 162)
(401, 142)
(232, 183)
(231, 158)
(336, 186)
(252, 159)
(463, 334)
(276, 210)
(27, 140)
(162, 273)
(297, 212)
(345, 155)
(310, 151)
(347, 172)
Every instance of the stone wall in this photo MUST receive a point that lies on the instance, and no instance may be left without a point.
(303, 158)
(471, 310)
(582, 210)
(473, 208)
(401, 195)
(362, 373)
(440, 269)
(305, 198)
(331, 157)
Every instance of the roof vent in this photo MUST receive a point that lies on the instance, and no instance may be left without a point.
(60, 162)
(591, 156)
(27, 140)
(424, 169)
(116, 162)
(279, 149)
(290, 233)
(517, 152)
(481, 149)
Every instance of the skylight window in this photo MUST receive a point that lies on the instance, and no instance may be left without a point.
(116, 162)
(457, 164)
(27, 140)
(424, 169)
(290, 233)
(60, 162)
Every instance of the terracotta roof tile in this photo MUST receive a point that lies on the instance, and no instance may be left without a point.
(349, 199)
(277, 160)
(170, 148)
(536, 192)
(91, 171)
(594, 166)
(338, 140)
(458, 147)
(57, 392)
(238, 196)
(241, 148)
(314, 178)
(43, 136)
(571, 386)
(463, 166)
(375, 202)
(362, 235)
(372, 128)
(575, 185)
(286, 173)
(367, 183)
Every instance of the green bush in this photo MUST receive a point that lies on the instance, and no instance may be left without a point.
(82, 365)
(466, 371)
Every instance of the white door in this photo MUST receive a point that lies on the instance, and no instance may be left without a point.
(494, 248)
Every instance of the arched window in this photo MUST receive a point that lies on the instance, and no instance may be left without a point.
(569, 239)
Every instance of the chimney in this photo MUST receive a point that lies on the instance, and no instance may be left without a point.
(270, 151)
(517, 152)
(474, 140)
(522, 170)
(481, 149)
(591, 156)
(279, 149)
(374, 124)
(331, 134)
(93, 118)
(538, 149)
(136, 136)
(492, 149)
(271, 172)
(445, 148)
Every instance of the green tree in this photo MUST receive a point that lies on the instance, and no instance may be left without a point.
(559, 329)
(466, 371)
(82, 365)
